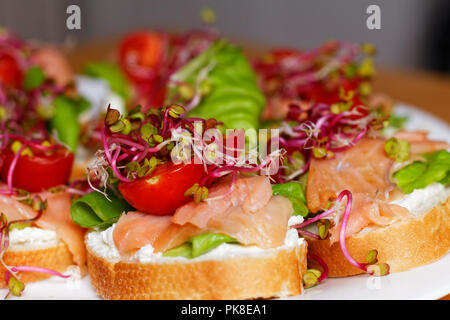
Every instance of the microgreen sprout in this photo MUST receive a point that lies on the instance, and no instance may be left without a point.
(326, 90)
(317, 131)
(314, 277)
(166, 135)
(292, 75)
(371, 266)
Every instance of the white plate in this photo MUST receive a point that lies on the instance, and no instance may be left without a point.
(427, 282)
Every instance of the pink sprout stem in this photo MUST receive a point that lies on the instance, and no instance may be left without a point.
(114, 166)
(308, 234)
(348, 208)
(12, 167)
(39, 269)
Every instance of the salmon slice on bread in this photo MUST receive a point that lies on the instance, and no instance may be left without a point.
(126, 260)
(53, 242)
(404, 237)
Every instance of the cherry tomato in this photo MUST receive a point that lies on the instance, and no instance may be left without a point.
(10, 73)
(151, 96)
(162, 192)
(140, 53)
(40, 171)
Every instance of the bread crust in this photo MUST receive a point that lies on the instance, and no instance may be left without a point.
(57, 258)
(275, 274)
(403, 245)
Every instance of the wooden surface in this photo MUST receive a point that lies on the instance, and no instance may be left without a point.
(426, 90)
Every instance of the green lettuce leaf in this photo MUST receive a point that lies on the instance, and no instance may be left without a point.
(420, 174)
(185, 250)
(34, 78)
(446, 180)
(294, 192)
(199, 245)
(65, 119)
(233, 96)
(112, 74)
(95, 210)
(397, 122)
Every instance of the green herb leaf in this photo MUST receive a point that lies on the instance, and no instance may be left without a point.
(420, 174)
(112, 74)
(207, 242)
(233, 95)
(34, 78)
(397, 122)
(199, 245)
(65, 121)
(185, 250)
(446, 180)
(95, 210)
(294, 192)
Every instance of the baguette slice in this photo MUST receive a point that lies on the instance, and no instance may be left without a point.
(57, 257)
(403, 245)
(274, 273)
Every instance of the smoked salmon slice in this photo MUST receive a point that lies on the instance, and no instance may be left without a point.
(56, 217)
(364, 168)
(250, 193)
(249, 213)
(364, 171)
(135, 230)
(419, 142)
(265, 228)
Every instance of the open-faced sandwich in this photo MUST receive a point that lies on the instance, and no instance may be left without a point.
(171, 224)
(37, 237)
(335, 132)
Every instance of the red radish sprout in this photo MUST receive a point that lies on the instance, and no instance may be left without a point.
(322, 263)
(38, 269)
(13, 166)
(305, 233)
(348, 208)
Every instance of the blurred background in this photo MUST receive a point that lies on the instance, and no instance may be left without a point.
(414, 34)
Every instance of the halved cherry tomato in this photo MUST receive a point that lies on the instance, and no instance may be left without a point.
(139, 55)
(10, 73)
(40, 171)
(151, 95)
(162, 192)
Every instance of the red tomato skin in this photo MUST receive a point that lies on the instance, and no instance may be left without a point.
(38, 172)
(146, 46)
(162, 192)
(10, 74)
